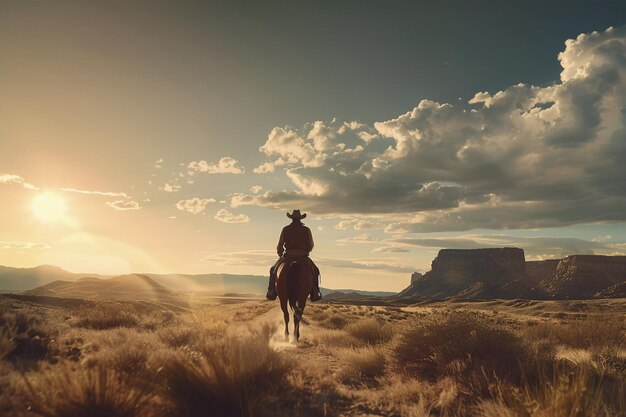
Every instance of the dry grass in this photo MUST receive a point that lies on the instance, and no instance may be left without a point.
(370, 330)
(90, 392)
(106, 316)
(334, 322)
(23, 335)
(363, 362)
(577, 393)
(136, 361)
(236, 376)
(566, 393)
(593, 331)
(460, 344)
(177, 336)
(398, 395)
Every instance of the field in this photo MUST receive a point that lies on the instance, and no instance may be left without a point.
(65, 357)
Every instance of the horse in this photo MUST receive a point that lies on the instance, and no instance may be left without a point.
(293, 285)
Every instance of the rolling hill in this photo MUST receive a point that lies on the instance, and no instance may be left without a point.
(132, 286)
(54, 281)
(22, 279)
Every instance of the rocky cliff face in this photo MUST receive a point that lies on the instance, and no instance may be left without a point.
(537, 271)
(416, 277)
(503, 273)
(470, 273)
(587, 276)
(459, 267)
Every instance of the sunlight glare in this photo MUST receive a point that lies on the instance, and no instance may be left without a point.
(49, 207)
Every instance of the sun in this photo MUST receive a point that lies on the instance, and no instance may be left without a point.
(49, 207)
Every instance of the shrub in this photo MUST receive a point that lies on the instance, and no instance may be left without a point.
(370, 330)
(126, 351)
(23, 336)
(400, 396)
(157, 319)
(177, 336)
(233, 376)
(460, 344)
(61, 391)
(333, 339)
(128, 360)
(564, 393)
(106, 316)
(319, 315)
(335, 322)
(363, 362)
(593, 331)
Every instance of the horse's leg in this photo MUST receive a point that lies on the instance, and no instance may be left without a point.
(302, 303)
(283, 306)
(296, 323)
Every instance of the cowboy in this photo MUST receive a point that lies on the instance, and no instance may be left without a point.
(295, 241)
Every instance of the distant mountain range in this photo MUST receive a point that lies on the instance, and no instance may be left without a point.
(22, 279)
(54, 281)
(469, 274)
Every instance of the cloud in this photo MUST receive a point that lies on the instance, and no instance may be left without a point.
(255, 189)
(265, 168)
(23, 245)
(194, 205)
(358, 239)
(534, 247)
(123, 205)
(358, 224)
(390, 249)
(266, 258)
(525, 157)
(226, 216)
(16, 179)
(94, 192)
(367, 264)
(158, 163)
(119, 205)
(170, 187)
(226, 165)
(290, 147)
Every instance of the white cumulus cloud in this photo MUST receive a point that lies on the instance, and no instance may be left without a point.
(194, 205)
(170, 187)
(123, 205)
(226, 216)
(225, 165)
(525, 157)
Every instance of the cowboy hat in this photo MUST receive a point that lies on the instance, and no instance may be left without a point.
(296, 215)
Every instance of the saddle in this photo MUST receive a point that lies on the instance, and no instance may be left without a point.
(288, 257)
(294, 254)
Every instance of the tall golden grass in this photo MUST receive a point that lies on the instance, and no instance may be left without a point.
(352, 361)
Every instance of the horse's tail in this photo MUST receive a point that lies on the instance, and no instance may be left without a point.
(292, 284)
(294, 278)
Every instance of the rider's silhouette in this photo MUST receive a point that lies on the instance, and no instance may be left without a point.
(295, 240)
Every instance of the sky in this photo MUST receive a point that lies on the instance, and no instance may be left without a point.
(152, 136)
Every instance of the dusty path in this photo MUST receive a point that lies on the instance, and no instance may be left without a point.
(313, 357)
